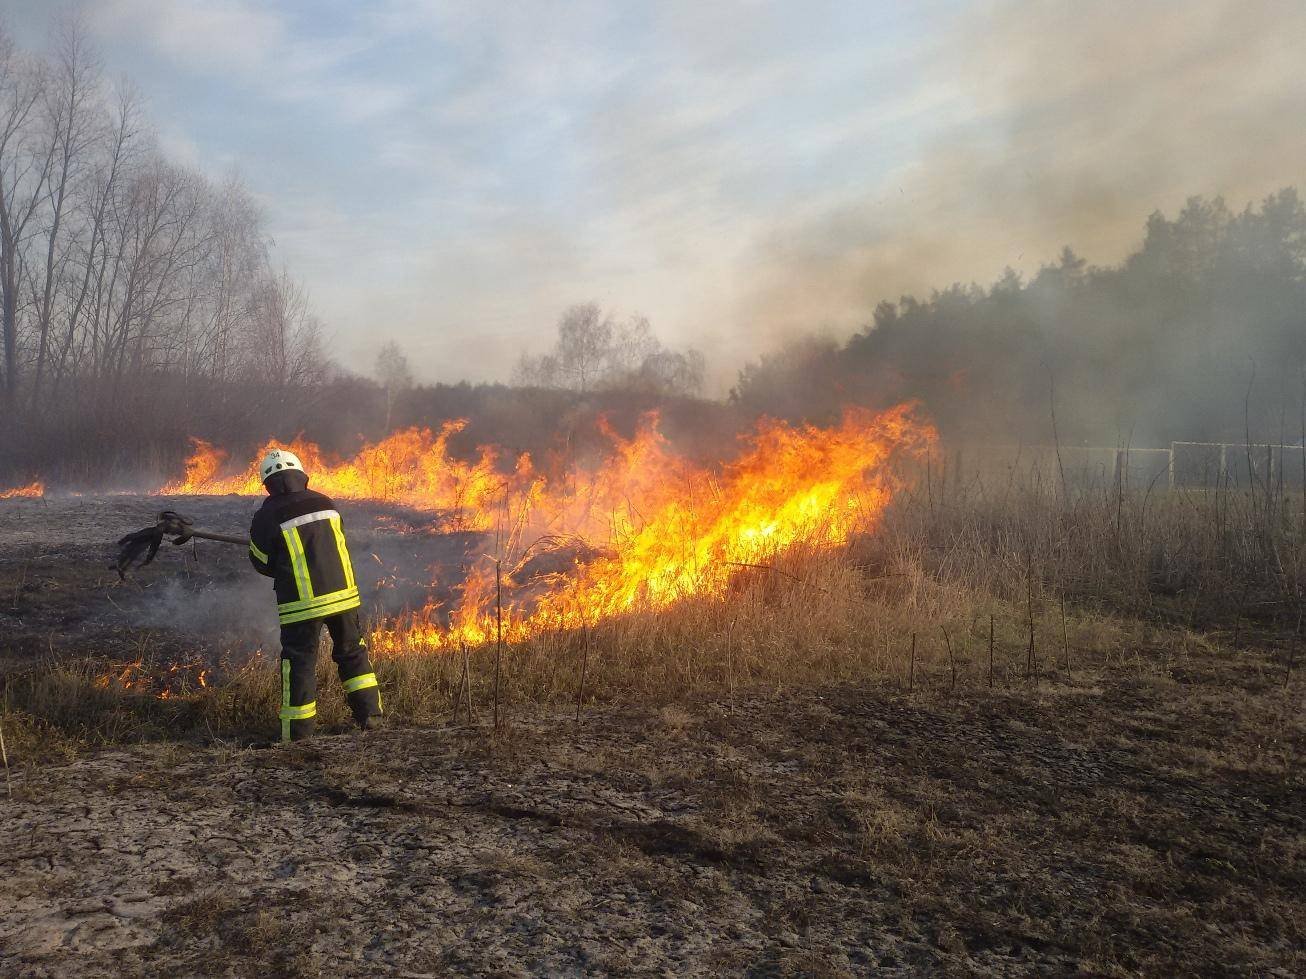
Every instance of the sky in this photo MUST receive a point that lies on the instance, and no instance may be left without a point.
(452, 175)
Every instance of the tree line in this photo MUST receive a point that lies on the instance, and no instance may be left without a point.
(1198, 334)
(132, 287)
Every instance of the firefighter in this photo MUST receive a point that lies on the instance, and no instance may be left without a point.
(298, 541)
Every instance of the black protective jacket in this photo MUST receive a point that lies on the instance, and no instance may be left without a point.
(298, 541)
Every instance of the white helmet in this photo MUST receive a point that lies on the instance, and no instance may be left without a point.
(278, 460)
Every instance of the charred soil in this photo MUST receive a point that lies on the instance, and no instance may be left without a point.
(1115, 821)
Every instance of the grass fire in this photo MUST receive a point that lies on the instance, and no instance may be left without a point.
(655, 529)
(33, 489)
(728, 490)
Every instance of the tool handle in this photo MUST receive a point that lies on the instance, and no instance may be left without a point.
(225, 538)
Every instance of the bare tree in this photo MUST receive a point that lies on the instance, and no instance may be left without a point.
(284, 342)
(584, 343)
(131, 287)
(24, 169)
(70, 106)
(394, 374)
(97, 198)
(594, 351)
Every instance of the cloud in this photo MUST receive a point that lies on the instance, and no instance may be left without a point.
(208, 35)
(180, 147)
(263, 49)
(1069, 124)
(737, 171)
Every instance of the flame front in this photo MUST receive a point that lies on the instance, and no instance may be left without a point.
(656, 528)
(32, 490)
(412, 468)
(673, 530)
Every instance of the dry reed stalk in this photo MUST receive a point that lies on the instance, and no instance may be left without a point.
(990, 650)
(1292, 650)
(4, 753)
(952, 663)
(458, 698)
(1065, 639)
(498, 646)
(911, 670)
(1029, 599)
(464, 686)
(1056, 438)
(1242, 603)
(584, 668)
(730, 660)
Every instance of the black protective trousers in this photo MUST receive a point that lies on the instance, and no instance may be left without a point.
(299, 643)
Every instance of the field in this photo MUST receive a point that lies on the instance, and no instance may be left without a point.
(820, 774)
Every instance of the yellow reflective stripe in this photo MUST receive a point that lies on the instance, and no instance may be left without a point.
(362, 682)
(301, 713)
(316, 613)
(331, 598)
(253, 549)
(308, 518)
(289, 618)
(285, 699)
(299, 562)
(344, 552)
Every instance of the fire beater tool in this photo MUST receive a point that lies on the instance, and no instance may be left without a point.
(140, 546)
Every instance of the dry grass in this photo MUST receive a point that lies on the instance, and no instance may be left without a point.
(1138, 581)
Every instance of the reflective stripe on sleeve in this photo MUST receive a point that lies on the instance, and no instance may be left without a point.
(253, 549)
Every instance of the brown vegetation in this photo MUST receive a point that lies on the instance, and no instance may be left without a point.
(1042, 584)
(1015, 730)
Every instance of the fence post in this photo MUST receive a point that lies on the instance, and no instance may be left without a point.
(1170, 469)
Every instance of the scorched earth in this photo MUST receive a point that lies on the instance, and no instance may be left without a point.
(1119, 822)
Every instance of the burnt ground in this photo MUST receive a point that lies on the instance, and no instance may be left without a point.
(1126, 823)
(199, 604)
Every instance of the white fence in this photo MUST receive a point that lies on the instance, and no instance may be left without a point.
(1211, 465)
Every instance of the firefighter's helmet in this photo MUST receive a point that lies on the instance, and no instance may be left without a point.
(276, 461)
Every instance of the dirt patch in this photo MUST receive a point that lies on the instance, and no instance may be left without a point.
(855, 831)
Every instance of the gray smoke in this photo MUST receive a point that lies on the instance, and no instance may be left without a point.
(1061, 124)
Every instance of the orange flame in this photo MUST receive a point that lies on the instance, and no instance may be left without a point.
(412, 467)
(33, 489)
(665, 529)
(676, 531)
(141, 678)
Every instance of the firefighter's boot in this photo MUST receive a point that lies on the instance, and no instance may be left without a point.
(366, 708)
